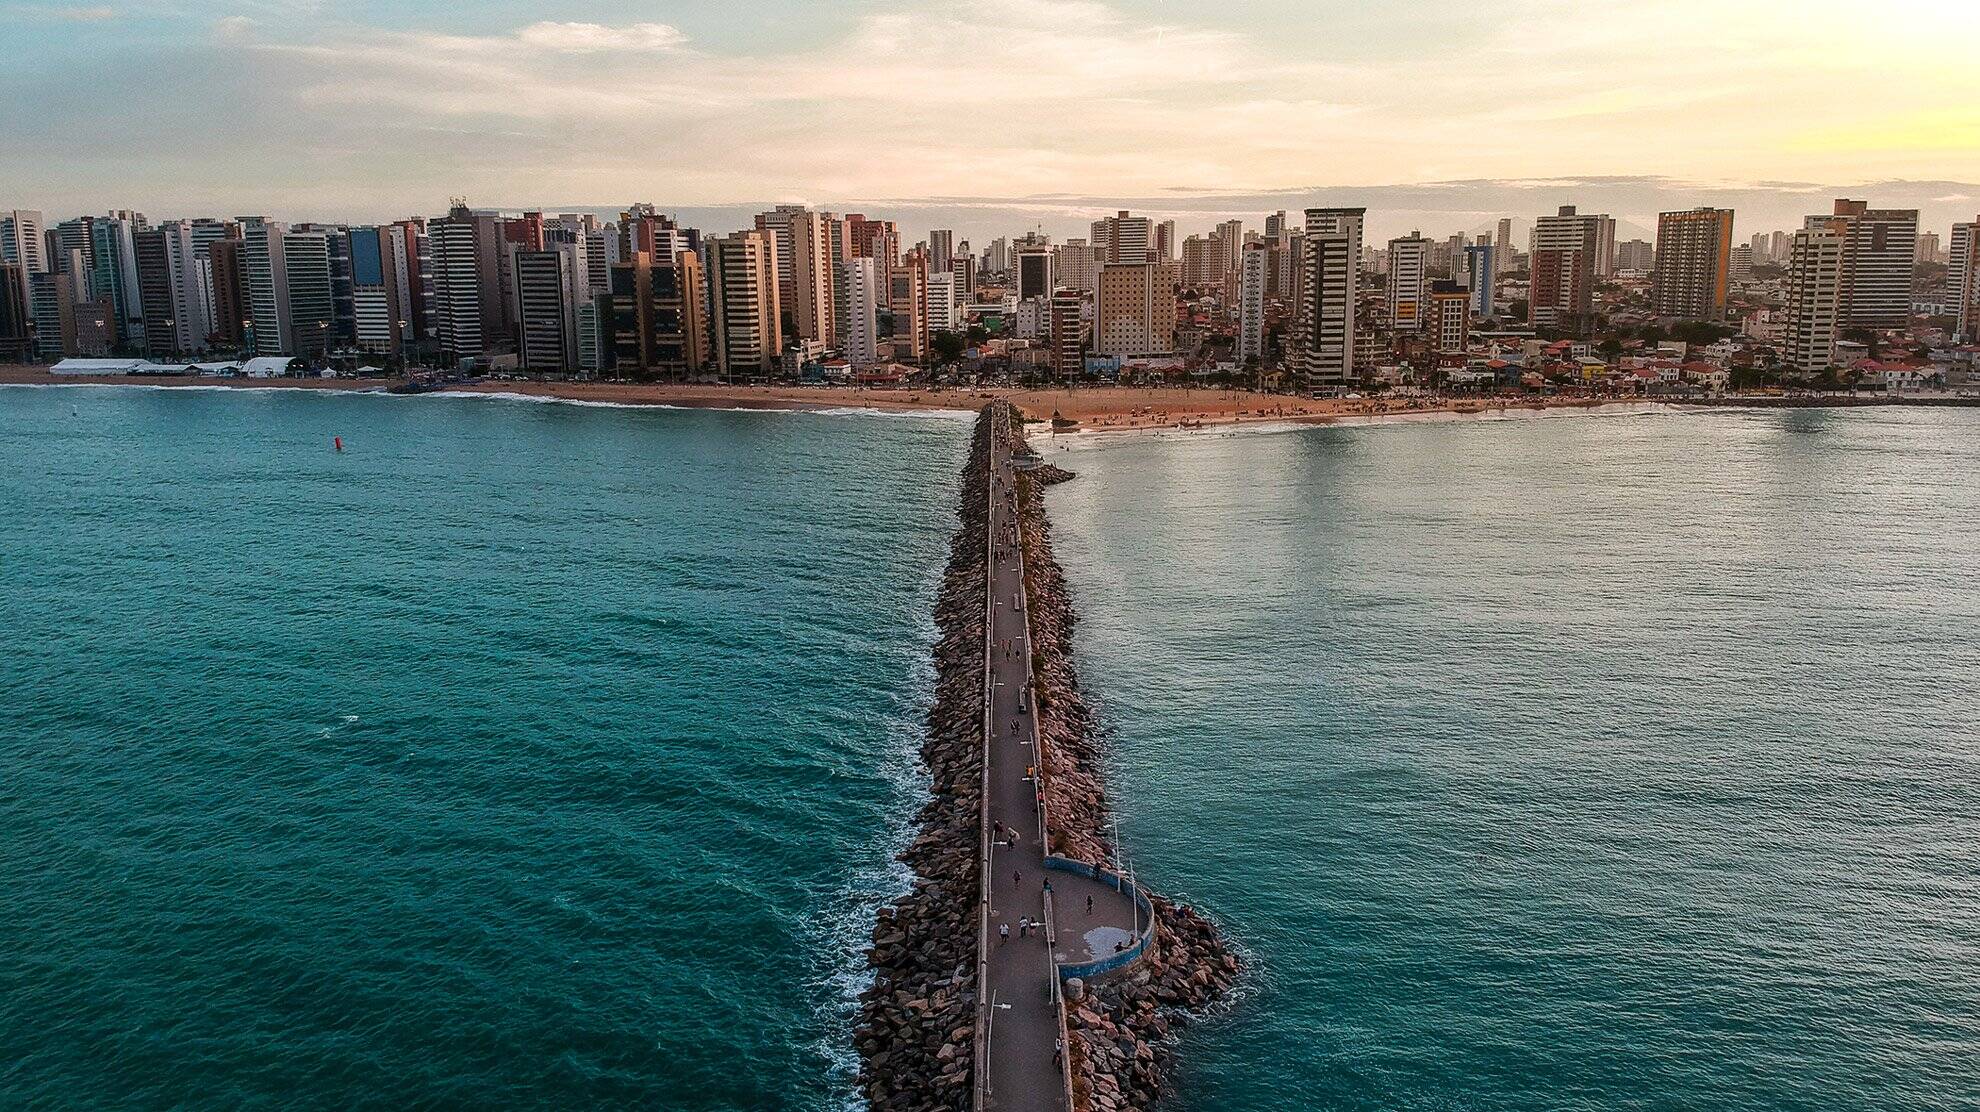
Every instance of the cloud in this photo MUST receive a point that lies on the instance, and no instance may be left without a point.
(98, 14)
(593, 38)
(1027, 98)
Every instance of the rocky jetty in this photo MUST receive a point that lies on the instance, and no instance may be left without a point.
(916, 1028)
(916, 1025)
(1121, 1029)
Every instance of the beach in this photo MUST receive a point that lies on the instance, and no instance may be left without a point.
(1094, 408)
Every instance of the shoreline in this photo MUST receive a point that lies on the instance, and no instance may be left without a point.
(1097, 409)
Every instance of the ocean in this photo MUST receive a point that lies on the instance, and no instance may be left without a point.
(522, 755)
(529, 754)
(1567, 762)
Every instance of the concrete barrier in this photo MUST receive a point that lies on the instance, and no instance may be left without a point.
(1100, 967)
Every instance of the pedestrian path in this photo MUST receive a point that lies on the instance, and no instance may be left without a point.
(1022, 1011)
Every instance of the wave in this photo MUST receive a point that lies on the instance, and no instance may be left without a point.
(780, 405)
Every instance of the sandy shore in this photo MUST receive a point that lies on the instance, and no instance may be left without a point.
(1095, 408)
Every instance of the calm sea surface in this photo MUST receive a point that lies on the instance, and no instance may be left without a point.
(523, 755)
(541, 755)
(1613, 762)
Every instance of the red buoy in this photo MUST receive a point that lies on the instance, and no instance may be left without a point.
(340, 442)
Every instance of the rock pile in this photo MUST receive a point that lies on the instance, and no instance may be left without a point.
(916, 1026)
(916, 1029)
(1121, 1028)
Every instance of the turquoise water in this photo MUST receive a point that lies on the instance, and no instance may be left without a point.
(538, 755)
(523, 755)
(1622, 762)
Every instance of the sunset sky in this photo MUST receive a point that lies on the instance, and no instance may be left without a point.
(368, 109)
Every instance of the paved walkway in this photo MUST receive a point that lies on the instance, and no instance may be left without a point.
(1024, 1072)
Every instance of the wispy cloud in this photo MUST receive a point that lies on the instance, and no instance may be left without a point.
(68, 14)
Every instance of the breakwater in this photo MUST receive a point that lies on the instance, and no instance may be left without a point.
(918, 1027)
(1121, 1028)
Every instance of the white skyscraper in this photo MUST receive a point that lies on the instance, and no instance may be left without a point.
(1963, 278)
(1253, 272)
(1325, 347)
(859, 296)
(1815, 287)
(1409, 282)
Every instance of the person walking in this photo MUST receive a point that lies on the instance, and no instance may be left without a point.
(1003, 933)
(1089, 905)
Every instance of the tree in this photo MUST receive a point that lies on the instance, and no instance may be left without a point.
(948, 346)
(1517, 310)
(1611, 349)
(977, 334)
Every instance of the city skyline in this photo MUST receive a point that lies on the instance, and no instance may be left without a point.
(354, 113)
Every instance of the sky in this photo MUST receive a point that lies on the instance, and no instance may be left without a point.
(1040, 111)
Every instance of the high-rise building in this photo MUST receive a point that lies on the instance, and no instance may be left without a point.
(52, 303)
(1134, 310)
(375, 313)
(546, 281)
(1229, 238)
(1741, 267)
(1078, 265)
(656, 314)
(1566, 248)
(1480, 264)
(873, 239)
(1125, 238)
(1963, 278)
(1605, 246)
(312, 297)
(1327, 342)
(941, 250)
(1815, 295)
(460, 289)
(227, 277)
(858, 301)
(1447, 317)
(1036, 272)
(154, 284)
(268, 327)
(1636, 254)
(810, 285)
(1275, 226)
(1692, 267)
(944, 310)
(1068, 332)
(1165, 241)
(22, 242)
(907, 300)
(963, 266)
(742, 296)
(1880, 256)
(114, 277)
(1928, 248)
(1502, 250)
(1323, 346)
(1202, 262)
(1254, 274)
(1409, 282)
(17, 342)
